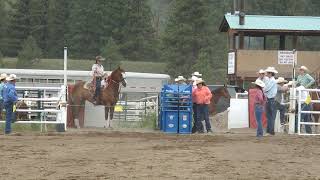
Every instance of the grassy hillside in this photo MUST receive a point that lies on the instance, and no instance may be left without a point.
(130, 66)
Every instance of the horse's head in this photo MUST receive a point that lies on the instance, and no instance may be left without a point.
(119, 76)
(222, 91)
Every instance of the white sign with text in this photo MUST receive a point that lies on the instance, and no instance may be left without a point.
(231, 62)
(285, 57)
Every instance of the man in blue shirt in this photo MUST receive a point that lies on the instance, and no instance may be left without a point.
(9, 99)
(270, 91)
(3, 77)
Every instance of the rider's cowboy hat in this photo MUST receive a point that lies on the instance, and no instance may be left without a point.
(271, 69)
(3, 76)
(196, 74)
(199, 81)
(11, 77)
(100, 58)
(180, 78)
(304, 68)
(193, 78)
(281, 80)
(259, 83)
(261, 71)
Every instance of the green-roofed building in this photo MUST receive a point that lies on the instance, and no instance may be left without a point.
(258, 41)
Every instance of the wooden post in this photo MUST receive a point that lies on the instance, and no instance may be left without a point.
(295, 42)
(241, 40)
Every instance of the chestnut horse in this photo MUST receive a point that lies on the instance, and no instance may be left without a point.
(108, 96)
(216, 95)
(315, 106)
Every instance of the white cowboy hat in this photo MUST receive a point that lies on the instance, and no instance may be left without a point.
(11, 77)
(304, 68)
(261, 71)
(199, 80)
(271, 69)
(3, 76)
(196, 74)
(179, 78)
(259, 83)
(193, 78)
(281, 80)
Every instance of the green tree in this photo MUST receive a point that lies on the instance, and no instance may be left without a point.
(3, 26)
(58, 11)
(30, 53)
(85, 28)
(19, 26)
(1, 60)
(187, 32)
(111, 51)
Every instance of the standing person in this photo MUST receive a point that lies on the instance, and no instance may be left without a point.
(3, 77)
(202, 95)
(192, 82)
(262, 76)
(305, 106)
(270, 91)
(97, 72)
(180, 80)
(304, 79)
(281, 90)
(9, 98)
(259, 105)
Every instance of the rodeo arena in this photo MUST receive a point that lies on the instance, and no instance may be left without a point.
(263, 123)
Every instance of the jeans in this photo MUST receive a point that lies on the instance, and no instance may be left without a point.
(258, 110)
(98, 87)
(1, 108)
(306, 117)
(282, 110)
(202, 113)
(194, 128)
(9, 109)
(271, 115)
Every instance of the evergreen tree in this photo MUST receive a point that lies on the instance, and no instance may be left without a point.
(1, 60)
(19, 26)
(30, 53)
(57, 27)
(111, 52)
(187, 32)
(3, 27)
(138, 41)
(84, 24)
(38, 22)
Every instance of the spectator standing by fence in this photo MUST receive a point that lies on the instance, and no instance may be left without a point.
(3, 77)
(259, 105)
(280, 98)
(270, 90)
(202, 96)
(9, 98)
(304, 79)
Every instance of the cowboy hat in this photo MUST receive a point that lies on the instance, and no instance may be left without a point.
(271, 69)
(304, 68)
(199, 80)
(193, 78)
(11, 77)
(281, 80)
(180, 78)
(3, 76)
(259, 83)
(261, 71)
(196, 74)
(100, 58)
(290, 83)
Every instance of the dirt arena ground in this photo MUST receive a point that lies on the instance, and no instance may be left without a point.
(101, 154)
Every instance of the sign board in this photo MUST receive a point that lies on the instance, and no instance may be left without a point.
(285, 57)
(231, 62)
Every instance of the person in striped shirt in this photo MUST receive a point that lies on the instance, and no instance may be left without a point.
(304, 79)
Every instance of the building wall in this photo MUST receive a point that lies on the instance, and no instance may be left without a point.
(248, 62)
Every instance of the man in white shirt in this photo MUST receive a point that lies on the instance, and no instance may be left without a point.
(97, 72)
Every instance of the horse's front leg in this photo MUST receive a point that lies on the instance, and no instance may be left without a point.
(111, 114)
(106, 115)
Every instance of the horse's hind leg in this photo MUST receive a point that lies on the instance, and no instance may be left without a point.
(111, 115)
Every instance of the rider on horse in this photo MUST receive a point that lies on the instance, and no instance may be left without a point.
(98, 73)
